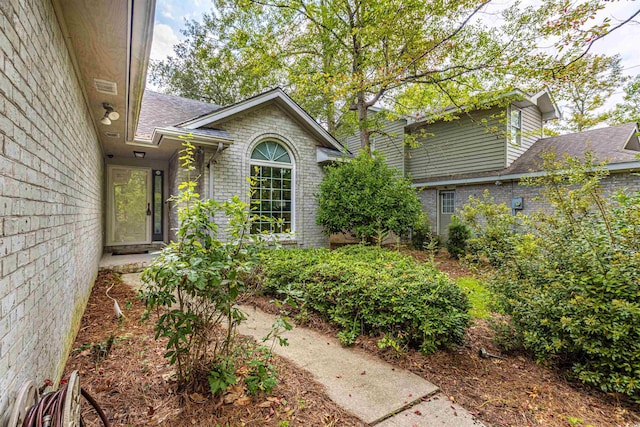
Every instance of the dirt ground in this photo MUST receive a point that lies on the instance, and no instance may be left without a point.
(130, 380)
(508, 391)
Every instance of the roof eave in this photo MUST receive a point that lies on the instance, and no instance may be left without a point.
(177, 135)
(613, 167)
(276, 95)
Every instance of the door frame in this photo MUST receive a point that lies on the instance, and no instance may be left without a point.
(439, 207)
(109, 217)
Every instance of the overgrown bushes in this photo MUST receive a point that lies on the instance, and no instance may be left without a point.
(570, 279)
(370, 290)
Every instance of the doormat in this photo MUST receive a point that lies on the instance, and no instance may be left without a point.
(131, 252)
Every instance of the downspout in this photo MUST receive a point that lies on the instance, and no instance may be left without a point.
(210, 164)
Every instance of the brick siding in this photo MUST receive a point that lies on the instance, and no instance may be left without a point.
(51, 198)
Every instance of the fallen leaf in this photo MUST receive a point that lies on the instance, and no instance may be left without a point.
(417, 412)
(265, 404)
(243, 401)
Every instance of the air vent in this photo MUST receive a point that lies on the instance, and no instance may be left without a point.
(105, 86)
(112, 134)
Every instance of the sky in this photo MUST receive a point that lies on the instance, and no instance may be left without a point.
(171, 16)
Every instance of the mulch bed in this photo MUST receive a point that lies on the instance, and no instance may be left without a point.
(512, 391)
(131, 379)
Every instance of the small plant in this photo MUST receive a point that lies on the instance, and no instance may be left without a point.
(262, 376)
(221, 376)
(422, 238)
(459, 234)
(194, 283)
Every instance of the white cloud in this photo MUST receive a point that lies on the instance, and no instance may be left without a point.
(168, 15)
(164, 38)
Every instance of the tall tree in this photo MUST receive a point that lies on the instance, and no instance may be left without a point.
(356, 54)
(629, 109)
(583, 87)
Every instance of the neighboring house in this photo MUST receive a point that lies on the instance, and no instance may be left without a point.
(492, 149)
(59, 62)
(268, 137)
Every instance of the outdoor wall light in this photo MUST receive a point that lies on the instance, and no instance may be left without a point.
(109, 114)
(139, 154)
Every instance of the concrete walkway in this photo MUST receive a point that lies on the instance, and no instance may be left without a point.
(369, 388)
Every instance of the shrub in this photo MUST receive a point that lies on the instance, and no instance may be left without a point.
(459, 233)
(370, 290)
(422, 238)
(366, 198)
(193, 285)
(570, 279)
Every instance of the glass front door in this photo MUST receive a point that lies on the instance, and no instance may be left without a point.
(129, 206)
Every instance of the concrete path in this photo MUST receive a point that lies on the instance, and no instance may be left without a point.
(374, 391)
(371, 389)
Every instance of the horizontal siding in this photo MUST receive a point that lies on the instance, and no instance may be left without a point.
(465, 145)
(531, 132)
(390, 143)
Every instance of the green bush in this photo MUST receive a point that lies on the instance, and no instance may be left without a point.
(422, 238)
(459, 233)
(370, 290)
(366, 198)
(570, 280)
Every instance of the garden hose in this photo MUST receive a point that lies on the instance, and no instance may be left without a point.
(49, 411)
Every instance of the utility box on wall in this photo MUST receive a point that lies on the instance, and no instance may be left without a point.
(516, 204)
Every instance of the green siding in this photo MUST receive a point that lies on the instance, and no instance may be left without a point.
(469, 144)
(531, 132)
(391, 144)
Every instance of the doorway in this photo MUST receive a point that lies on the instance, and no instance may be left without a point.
(446, 209)
(129, 210)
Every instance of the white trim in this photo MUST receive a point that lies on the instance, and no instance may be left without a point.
(109, 215)
(273, 95)
(175, 134)
(616, 167)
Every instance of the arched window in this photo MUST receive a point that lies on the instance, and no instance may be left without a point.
(272, 187)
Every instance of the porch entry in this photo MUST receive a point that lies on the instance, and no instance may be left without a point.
(134, 205)
(446, 208)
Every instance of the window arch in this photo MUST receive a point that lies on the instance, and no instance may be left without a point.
(272, 192)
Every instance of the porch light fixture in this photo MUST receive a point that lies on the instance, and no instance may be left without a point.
(109, 114)
(139, 154)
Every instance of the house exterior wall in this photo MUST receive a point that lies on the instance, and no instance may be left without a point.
(390, 143)
(232, 167)
(531, 132)
(504, 193)
(469, 144)
(51, 198)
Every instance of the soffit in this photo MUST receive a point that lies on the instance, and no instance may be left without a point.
(110, 41)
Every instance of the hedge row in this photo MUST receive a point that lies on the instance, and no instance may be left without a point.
(370, 290)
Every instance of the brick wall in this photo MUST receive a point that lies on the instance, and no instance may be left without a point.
(232, 167)
(50, 198)
(505, 192)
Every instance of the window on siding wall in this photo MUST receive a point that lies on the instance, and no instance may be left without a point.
(272, 188)
(516, 126)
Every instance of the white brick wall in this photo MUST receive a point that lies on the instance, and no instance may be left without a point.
(232, 167)
(50, 198)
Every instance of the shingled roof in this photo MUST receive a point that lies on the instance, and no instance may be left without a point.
(611, 145)
(161, 110)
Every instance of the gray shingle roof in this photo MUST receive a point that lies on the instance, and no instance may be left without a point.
(162, 110)
(606, 144)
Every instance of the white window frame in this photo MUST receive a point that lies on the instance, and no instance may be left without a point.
(453, 199)
(292, 166)
(517, 130)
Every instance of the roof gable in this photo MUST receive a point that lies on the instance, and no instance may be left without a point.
(280, 98)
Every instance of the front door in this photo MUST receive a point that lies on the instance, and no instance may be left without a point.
(128, 205)
(447, 203)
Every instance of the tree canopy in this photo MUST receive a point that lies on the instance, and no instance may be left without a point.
(336, 56)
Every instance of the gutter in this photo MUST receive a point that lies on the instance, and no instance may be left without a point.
(615, 167)
(160, 133)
